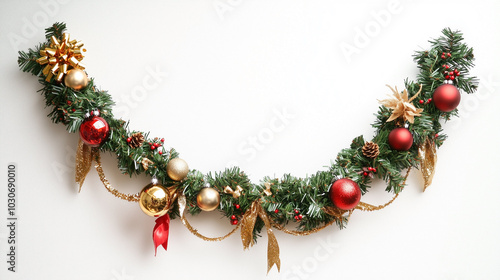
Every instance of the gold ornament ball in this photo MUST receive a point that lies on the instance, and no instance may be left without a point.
(76, 79)
(177, 169)
(208, 199)
(154, 200)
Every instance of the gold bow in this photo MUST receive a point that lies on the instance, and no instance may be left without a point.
(60, 57)
(236, 193)
(267, 191)
(247, 225)
(145, 162)
(401, 106)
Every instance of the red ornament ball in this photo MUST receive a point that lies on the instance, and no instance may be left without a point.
(345, 194)
(400, 139)
(446, 97)
(94, 131)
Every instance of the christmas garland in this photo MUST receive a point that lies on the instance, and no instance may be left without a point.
(408, 130)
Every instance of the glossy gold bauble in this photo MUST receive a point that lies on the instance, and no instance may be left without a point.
(177, 169)
(154, 200)
(76, 79)
(208, 199)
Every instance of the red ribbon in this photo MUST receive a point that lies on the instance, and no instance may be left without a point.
(160, 232)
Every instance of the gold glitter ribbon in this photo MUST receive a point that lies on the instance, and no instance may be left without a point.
(401, 106)
(247, 226)
(236, 193)
(428, 159)
(107, 185)
(84, 155)
(60, 57)
(182, 207)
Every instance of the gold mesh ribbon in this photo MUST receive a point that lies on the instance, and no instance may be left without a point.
(182, 207)
(107, 185)
(428, 159)
(84, 155)
(247, 226)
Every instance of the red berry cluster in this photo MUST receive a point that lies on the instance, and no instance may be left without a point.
(445, 55)
(421, 101)
(369, 169)
(298, 216)
(234, 220)
(450, 75)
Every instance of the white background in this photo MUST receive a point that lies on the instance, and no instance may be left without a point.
(223, 68)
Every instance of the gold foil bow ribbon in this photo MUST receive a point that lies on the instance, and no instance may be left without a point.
(236, 193)
(267, 191)
(428, 159)
(247, 225)
(401, 106)
(84, 156)
(146, 162)
(60, 57)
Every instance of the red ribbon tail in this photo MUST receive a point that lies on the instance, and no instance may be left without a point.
(160, 232)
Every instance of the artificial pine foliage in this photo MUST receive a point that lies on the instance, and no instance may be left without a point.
(309, 195)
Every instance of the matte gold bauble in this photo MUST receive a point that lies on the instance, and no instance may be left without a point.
(208, 199)
(177, 169)
(76, 79)
(154, 200)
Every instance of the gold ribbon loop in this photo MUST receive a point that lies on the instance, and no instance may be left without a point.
(236, 193)
(428, 159)
(247, 226)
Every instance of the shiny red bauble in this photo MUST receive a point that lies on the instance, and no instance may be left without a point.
(400, 139)
(446, 97)
(94, 131)
(345, 194)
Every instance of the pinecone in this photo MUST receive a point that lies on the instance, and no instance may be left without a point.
(136, 140)
(370, 150)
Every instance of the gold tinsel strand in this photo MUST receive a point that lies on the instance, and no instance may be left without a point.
(107, 185)
(182, 208)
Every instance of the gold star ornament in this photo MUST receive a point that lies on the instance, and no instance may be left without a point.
(401, 106)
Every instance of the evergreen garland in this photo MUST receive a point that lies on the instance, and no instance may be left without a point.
(290, 195)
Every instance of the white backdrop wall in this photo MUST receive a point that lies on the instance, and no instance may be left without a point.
(274, 87)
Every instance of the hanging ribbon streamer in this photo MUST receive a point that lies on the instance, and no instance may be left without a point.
(247, 226)
(428, 159)
(160, 232)
(84, 155)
